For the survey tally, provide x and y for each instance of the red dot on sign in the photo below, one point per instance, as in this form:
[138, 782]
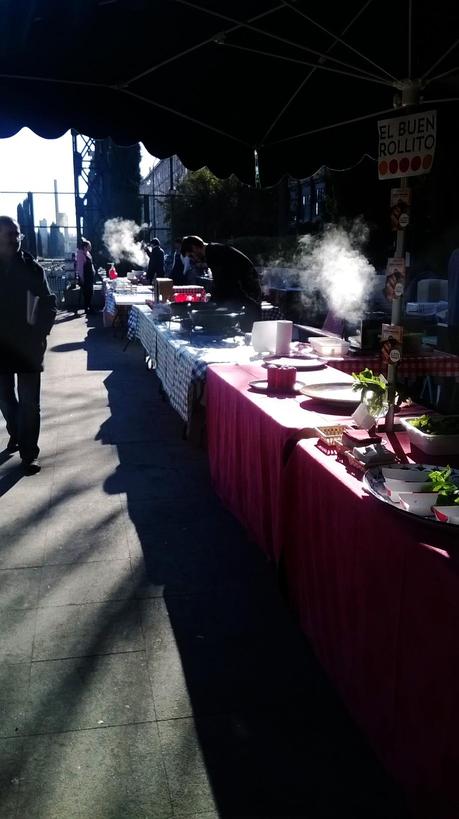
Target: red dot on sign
[404, 164]
[427, 161]
[416, 163]
[383, 167]
[393, 165]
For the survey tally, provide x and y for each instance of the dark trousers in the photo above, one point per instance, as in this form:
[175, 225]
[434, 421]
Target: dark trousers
[88, 291]
[22, 413]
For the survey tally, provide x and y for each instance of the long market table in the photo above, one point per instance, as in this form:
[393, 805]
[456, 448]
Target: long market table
[180, 362]
[119, 303]
[377, 595]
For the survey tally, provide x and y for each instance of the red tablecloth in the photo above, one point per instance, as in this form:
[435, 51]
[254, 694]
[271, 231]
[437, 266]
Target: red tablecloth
[247, 433]
[378, 596]
[411, 366]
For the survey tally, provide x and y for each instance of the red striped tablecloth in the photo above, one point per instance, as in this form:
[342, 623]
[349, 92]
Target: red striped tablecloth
[411, 366]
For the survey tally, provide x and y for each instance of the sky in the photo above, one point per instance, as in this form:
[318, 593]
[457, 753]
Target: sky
[30, 163]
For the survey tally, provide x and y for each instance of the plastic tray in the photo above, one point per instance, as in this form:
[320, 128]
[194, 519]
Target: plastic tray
[431, 444]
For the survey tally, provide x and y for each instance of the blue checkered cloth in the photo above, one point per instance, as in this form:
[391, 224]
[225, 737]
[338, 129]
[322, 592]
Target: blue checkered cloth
[181, 363]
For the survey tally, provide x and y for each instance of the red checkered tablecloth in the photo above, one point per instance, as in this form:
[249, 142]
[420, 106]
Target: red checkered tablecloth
[435, 363]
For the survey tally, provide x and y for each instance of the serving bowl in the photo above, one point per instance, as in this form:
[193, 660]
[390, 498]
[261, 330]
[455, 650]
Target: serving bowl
[408, 473]
[395, 487]
[329, 347]
[447, 514]
[420, 503]
[430, 443]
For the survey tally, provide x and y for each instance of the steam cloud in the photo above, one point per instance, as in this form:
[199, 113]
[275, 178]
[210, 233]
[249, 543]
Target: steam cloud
[335, 265]
[119, 238]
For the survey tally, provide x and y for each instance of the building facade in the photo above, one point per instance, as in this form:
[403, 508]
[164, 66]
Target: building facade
[156, 189]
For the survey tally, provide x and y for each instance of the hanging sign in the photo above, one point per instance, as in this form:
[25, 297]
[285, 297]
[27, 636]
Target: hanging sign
[400, 201]
[407, 145]
[395, 278]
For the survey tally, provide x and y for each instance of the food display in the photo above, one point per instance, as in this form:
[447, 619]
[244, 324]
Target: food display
[437, 424]
[329, 346]
[427, 492]
[434, 434]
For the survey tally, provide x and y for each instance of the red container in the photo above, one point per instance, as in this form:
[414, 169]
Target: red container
[273, 377]
[287, 378]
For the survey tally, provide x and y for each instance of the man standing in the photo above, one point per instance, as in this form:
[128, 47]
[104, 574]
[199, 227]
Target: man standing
[235, 280]
[155, 254]
[86, 273]
[177, 271]
[27, 313]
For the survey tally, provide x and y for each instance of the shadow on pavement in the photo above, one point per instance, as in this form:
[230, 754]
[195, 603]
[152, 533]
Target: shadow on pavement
[231, 673]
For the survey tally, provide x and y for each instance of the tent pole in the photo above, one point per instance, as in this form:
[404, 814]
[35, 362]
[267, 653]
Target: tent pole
[396, 318]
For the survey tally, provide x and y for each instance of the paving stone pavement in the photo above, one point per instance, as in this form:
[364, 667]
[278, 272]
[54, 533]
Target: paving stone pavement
[149, 667]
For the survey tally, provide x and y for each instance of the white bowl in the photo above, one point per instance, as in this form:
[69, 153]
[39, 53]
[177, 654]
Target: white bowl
[329, 347]
[420, 503]
[447, 514]
[408, 473]
[394, 488]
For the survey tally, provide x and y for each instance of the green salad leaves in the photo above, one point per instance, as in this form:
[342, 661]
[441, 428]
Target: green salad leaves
[437, 424]
[447, 488]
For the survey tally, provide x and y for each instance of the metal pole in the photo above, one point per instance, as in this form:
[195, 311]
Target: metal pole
[396, 318]
[76, 183]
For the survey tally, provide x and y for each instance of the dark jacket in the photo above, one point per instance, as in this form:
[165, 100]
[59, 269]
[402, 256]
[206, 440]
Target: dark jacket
[23, 345]
[177, 269]
[156, 263]
[234, 276]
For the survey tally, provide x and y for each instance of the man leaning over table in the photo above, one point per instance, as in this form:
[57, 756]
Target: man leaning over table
[235, 280]
[27, 314]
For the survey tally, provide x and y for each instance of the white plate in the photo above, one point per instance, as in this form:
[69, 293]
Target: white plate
[262, 386]
[333, 393]
[299, 362]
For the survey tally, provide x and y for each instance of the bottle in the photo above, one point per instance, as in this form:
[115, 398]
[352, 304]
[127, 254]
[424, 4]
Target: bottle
[112, 274]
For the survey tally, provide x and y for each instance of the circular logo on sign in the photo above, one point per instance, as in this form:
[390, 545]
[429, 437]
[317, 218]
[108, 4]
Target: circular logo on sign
[394, 356]
[404, 164]
[404, 220]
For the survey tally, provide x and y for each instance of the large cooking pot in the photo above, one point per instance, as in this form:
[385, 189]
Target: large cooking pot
[216, 319]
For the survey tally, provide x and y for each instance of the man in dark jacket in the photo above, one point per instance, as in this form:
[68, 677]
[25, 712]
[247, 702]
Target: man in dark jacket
[27, 313]
[177, 271]
[155, 254]
[235, 280]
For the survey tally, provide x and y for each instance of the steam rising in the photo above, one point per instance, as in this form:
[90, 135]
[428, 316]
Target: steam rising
[335, 265]
[119, 238]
